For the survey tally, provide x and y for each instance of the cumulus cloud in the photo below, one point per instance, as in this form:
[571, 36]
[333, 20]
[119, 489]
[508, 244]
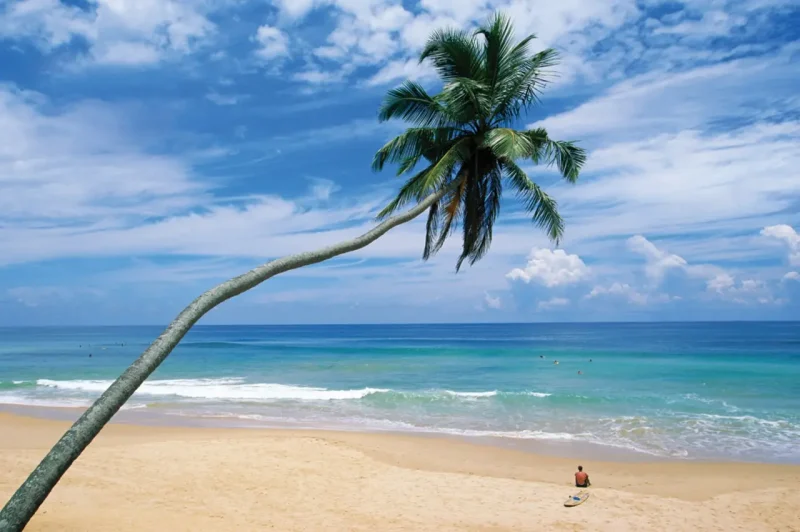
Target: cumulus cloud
[792, 276]
[702, 281]
[658, 261]
[789, 236]
[551, 268]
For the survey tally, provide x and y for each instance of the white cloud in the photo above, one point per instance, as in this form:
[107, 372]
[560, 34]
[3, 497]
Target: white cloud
[294, 9]
[410, 69]
[628, 292]
[273, 43]
[660, 103]
[121, 33]
[372, 32]
[687, 183]
[551, 268]
[718, 282]
[711, 23]
[792, 276]
[492, 302]
[721, 283]
[79, 164]
[789, 236]
[552, 303]
[658, 261]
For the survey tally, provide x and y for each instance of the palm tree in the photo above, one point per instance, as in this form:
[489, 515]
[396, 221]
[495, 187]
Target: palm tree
[464, 139]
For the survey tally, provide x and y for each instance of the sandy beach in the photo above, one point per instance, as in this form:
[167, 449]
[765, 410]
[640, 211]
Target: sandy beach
[165, 478]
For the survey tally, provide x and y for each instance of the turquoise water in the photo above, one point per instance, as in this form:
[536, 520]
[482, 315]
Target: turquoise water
[705, 390]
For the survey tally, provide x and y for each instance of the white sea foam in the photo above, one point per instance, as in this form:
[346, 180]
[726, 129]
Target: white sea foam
[220, 389]
[471, 394]
[494, 393]
[238, 389]
[57, 402]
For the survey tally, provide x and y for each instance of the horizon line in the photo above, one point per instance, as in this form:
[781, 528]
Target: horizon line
[642, 322]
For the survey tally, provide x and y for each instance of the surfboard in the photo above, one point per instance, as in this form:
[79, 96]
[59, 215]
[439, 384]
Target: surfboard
[577, 499]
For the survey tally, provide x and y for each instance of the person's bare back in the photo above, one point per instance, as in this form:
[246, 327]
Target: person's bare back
[581, 478]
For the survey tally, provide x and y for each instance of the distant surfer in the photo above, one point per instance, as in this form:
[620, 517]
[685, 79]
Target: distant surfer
[555, 363]
[580, 372]
[581, 478]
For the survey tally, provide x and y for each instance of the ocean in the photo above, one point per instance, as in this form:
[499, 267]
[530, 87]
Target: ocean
[707, 391]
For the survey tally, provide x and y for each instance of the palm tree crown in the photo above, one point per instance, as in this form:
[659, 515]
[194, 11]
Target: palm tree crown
[464, 138]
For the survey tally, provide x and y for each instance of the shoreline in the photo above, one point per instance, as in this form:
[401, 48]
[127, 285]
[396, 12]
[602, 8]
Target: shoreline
[243, 479]
[527, 465]
[556, 448]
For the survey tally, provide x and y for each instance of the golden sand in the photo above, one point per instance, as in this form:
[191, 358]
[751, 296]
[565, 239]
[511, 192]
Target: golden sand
[174, 479]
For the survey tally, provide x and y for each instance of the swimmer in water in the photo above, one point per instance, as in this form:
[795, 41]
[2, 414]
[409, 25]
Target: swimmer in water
[555, 363]
[580, 373]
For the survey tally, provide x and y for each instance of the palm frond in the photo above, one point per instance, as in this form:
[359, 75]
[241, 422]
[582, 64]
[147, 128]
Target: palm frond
[454, 54]
[568, 158]
[468, 100]
[431, 229]
[412, 144]
[565, 155]
[543, 208]
[411, 102]
[452, 213]
[431, 178]
[509, 143]
[498, 35]
[520, 90]
[491, 190]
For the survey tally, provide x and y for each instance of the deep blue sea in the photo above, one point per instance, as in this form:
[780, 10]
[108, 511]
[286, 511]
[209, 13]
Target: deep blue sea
[693, 391]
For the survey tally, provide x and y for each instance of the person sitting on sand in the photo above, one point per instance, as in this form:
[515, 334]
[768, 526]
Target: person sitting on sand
[582, 479]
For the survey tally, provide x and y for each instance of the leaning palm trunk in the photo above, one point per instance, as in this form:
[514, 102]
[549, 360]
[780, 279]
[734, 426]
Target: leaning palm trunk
[27, 499]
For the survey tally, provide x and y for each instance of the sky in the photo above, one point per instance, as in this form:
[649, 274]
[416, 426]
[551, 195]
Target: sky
[150, 149]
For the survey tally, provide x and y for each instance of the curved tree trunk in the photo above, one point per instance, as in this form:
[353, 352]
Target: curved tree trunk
[27, 499]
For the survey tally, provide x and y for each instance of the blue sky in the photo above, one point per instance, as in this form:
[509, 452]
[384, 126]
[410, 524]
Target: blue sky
[151, 149]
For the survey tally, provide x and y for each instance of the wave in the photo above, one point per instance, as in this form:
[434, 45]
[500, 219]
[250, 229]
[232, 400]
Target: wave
[471, 394]
[221, 389]
[237, 389]
[56, 402]
[16, 385]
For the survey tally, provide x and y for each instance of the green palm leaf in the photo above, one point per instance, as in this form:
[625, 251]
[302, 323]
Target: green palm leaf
[466, 135]
[543, 208]
[509, 143]
[430, 179]
[412, 103]
[413, 144]
[454, 54]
